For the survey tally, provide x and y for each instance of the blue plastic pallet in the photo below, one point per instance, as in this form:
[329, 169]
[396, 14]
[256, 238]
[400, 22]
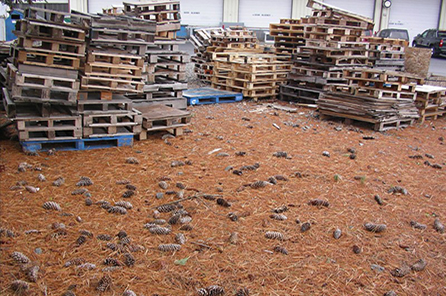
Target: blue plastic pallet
[78, 144]
[209, 95]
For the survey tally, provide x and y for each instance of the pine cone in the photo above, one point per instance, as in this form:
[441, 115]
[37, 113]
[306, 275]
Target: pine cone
[117, 210]
[104, 283]
[305, 227]
[41, 178]
[79, 191]
[159, 230]
[274, 235]
[58, 182]
[420, 265]
[280, 209]
[81, 240]
[124, 204]
[169, 247]
[180, 238]
[51, 205]
[282, 250]
[337, 233]
[32, 273]
[417, 225]
[163, 185]
[130, 187]
[215, 290]
[129, 293]
[259, 184]
[377, 228]
[19, 286]
[279, 217]
[319, 203]
[20, 258]
[132, 160]
[438, 226]
[75, 261]
[128, 193]
[84, 181]
[112, 262]
[222, 202]
[104, 237]
[88, 266]
[129, 259]
[166, 208]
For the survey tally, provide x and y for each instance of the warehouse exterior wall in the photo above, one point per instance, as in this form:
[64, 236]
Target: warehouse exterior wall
[230, 11]
[79, 5]
[299, 9]
[442, 21]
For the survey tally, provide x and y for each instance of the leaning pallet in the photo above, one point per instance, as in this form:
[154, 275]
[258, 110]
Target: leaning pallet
[430, 101]
[386, 99]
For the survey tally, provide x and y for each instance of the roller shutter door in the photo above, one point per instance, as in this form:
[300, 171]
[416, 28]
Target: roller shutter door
[414, 15]
[259, 14]
[365, 7]
[201, 13]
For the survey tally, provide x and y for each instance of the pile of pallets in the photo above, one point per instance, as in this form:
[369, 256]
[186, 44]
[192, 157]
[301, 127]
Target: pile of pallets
[430, 101]
[387, 53]
[288, 36]
[385, 99]
[255, 75]
[166, 14]
[333, 42]
[42, 80]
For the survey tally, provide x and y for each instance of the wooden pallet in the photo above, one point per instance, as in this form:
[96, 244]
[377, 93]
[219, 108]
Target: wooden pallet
[55, 127]
[51, 46]
[111, 84]
[207, 95]
[301, 95]
[168, 57]
[77, 20]
[106, 124]
[43, 95]
[159, 117]
[91, 102]
[50, 31]
[22, 56]
[121, 36]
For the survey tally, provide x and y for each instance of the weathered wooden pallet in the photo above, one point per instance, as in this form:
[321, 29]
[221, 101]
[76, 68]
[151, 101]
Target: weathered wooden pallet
[32, 128]
[121, 35]
[165, 75]
[157, 117]
[375, 93]
[301, 95]
[78, 144]
[45, 59]
[104, 106]
[111, 124]
[112, 71]
[167, 57]
[114, 57]
[43, 95]
[50, 31]
[112, 84]
[24, 79]
[335, 22]
[58, 17]
[51, 46]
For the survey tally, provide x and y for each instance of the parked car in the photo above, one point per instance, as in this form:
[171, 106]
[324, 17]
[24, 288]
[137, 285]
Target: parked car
[432, 38]
[394, 34]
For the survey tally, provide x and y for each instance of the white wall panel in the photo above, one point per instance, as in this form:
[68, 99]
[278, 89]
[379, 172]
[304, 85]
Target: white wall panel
[260, 13]
[201, 13]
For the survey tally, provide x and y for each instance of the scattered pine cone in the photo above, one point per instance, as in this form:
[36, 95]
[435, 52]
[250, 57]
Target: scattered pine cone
[186, 227]
[7, 232]
[68, 293]
[180, 238]
[75, 262]
[280, 209]
[160, 230]
[356, 249]
[242, 292]
[124, 204]
[130, 187]
[274, 235]
[202, 292]
[58, 182]
[233, 216]
[401, 272]
[131, 160]
[209, 197]
[88, 202]
[84, 181]
[377, 228]
[280, 154]
[223, 202]
[215, 290]
[86, 232]
[438, 226]
[279, 217]
[169, 247]
[104, 283]
[259, 184]
[122, 182]
[32, 273]
[129, 260]
[305, 227]
[112, 262]
[390, 293]
[233, 238]
[420, 265]
[19, 286]
[81, 240]
[379, 200]
[20, 257]
[279, 249]
[417, 225]
[51, 205]
[174, 219]
[272, 180]
[41, 178]
[163, 185]
[128, 193]
[166, 208]
[79, 191]
[117, 210]
[319, 203]
[180, 185]
[337, 233]
[129, 293]
[104, 237]
[88, 266]
[280, 178]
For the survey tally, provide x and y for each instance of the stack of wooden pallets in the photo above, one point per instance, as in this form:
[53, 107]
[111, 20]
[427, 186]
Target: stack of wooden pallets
[387, 53]
[333, 42]
[385, 99]
[42, 84]
[430, 101]
[256, 75]
[201, 39]
[288, 36]
[166, 14]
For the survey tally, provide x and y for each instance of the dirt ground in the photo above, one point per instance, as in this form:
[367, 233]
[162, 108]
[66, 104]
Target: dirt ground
[358, 263]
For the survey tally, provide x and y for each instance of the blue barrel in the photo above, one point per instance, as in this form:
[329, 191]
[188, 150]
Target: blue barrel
[10, 24]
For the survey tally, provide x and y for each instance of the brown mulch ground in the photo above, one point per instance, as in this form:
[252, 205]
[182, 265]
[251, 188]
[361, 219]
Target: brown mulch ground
[316, 263]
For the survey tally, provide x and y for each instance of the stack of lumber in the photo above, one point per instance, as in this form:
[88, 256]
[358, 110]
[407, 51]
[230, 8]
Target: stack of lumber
[333, 42]
[166, 14]
[387, 53]
[431, 101]
[256, 75]
[42, 80]
[385, 99]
